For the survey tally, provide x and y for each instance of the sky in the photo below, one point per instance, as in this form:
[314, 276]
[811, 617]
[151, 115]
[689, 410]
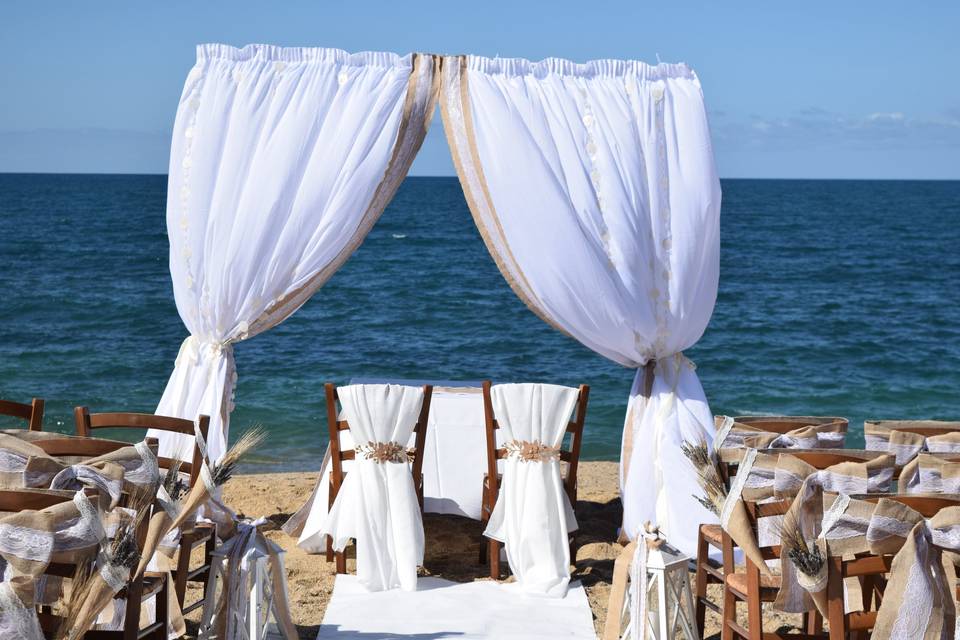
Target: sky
[800, 90]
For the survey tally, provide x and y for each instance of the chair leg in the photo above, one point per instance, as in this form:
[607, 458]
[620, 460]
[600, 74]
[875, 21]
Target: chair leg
[700, 584]
[182, 572]
[341, 558]
[754, 604]
[162, 600]
[329, 548]
[494, 547]
[729, 613]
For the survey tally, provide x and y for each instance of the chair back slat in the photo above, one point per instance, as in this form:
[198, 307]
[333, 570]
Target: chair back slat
[87, 422]
[32, 413]
[785, 424]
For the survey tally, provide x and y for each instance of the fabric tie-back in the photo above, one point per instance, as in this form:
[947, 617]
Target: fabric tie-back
[594, 188]
[377, 503]
[282, 160]
[533, 516]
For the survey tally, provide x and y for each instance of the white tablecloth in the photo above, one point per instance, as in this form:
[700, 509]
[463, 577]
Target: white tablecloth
[454, 459]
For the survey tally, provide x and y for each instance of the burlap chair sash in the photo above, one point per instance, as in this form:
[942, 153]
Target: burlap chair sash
[25, 465]
[907, 445]
[31, 540]
[930, 474]
[838, 526]
[918, 601]
[734, 437]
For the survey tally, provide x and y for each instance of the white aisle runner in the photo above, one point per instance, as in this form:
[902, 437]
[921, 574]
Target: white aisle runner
[443, 609]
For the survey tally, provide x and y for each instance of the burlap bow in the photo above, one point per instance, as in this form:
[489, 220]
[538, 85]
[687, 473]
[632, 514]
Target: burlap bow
[929, 474]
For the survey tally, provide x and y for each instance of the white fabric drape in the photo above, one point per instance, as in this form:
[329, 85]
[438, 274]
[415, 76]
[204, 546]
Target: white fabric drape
[595, 190]
[282, 160]
[533, 514]
[377, 503]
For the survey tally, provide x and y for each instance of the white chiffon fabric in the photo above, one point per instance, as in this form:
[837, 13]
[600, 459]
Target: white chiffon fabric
[595, 189]
[533, 514]
[377, 503]
[282, 159]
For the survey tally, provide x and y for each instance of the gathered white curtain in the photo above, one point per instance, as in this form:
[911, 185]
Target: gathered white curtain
[533, 514]
[595, 190]
[377, 503]
[282, 160]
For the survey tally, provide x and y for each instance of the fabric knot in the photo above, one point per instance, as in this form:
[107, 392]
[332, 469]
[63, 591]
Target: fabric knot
[193, 348]
[382, 452]
[531, 451]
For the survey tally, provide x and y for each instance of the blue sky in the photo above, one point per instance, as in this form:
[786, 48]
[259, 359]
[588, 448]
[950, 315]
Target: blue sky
[806, 90]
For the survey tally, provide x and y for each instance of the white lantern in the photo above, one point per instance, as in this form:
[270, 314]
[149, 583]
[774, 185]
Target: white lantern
[659, 602]
[247, 590]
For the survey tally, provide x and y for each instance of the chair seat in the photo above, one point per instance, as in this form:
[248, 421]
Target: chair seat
[769, 585]
[712, 533]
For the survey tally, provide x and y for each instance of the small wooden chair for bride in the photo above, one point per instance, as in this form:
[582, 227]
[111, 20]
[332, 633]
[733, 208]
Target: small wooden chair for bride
[202, 535]
[569, 458]
[32, 413]
[341, 452]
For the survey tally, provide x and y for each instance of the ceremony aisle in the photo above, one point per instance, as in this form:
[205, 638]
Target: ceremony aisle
[451, 543]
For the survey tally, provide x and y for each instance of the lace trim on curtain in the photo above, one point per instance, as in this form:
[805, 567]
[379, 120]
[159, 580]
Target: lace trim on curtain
[303, 54]
[593, 68]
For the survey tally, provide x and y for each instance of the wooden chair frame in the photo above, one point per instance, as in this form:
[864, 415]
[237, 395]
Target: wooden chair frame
[32, 413]
[151, 584]
[492, 478]
[202, 534]
[871, 570]
[754, 595]
[338, 457]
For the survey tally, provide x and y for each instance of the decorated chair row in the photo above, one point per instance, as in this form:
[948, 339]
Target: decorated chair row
[741, 433]
[526, 425]
[76, 450]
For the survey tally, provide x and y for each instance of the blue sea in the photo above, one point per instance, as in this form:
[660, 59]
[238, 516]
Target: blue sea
[836, 297]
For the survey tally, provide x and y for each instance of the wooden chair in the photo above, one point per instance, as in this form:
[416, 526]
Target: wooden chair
[204, 535]
[871, 570]
[751, 586]
[135, 593]
[338, 456]
[32, 413]
[492, 478]
[710, 536]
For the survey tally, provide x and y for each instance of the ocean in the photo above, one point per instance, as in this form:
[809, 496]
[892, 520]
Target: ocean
[836, 298]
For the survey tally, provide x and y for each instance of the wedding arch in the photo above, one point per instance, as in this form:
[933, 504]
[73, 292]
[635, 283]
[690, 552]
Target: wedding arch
[593, 186]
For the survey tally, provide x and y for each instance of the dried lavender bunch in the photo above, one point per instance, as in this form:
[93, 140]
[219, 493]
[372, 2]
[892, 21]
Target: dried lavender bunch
[805, 558]
[708, 476]
[172, 482]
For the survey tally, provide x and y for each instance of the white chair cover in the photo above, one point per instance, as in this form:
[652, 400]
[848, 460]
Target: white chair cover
[282, 160]
[594, 188]
[377, 503]
[533, 514]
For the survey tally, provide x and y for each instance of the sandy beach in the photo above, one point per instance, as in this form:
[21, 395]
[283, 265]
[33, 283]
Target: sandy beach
[451, 541]
[451, 545]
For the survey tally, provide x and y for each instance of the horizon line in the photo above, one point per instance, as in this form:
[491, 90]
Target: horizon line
[798, 179]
